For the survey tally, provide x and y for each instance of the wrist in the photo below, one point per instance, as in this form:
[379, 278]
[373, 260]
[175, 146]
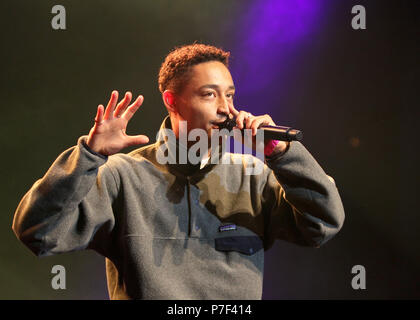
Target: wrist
[275, 146]
[88, 146]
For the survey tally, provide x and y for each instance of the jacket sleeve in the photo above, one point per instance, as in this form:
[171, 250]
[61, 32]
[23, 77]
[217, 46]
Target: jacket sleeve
[302, 203]
[70, 208]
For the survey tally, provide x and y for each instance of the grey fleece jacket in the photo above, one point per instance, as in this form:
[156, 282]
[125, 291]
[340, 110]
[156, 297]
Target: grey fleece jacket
[158, 226]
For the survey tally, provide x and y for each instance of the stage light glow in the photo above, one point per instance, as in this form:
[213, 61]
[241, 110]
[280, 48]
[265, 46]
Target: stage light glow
[269, 34]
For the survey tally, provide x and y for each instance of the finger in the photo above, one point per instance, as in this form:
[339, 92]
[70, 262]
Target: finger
[99, 115]
[248, 120]
[131, 110]
[122, 105]
[233, 110]
[259, 121]
[240, 118]
[136, 140]
[256, 123]
[111, 104]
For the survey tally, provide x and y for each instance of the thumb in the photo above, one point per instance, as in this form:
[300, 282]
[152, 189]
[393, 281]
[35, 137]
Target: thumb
[136, 140]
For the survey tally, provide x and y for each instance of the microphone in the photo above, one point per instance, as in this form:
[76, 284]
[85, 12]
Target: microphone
[270, 132]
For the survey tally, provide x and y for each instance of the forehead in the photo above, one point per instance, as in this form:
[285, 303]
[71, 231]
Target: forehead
[212, 73]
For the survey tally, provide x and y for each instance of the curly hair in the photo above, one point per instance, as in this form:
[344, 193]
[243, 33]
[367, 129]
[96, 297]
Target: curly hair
[177, 63]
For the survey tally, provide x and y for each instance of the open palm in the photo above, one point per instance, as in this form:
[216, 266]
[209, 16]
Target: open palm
[108, 135]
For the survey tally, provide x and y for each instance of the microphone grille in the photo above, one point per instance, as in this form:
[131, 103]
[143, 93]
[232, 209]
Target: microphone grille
[228, 124]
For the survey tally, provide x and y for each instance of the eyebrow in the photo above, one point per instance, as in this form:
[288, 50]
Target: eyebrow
[215, 86]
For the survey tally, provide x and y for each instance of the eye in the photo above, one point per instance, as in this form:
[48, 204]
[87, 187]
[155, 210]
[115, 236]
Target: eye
[209, 94]
[230, 95]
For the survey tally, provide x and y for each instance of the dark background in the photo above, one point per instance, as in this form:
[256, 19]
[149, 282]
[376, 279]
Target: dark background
[354, 94]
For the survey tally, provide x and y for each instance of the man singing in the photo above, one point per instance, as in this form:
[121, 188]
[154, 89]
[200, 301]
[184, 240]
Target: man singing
[179, 230]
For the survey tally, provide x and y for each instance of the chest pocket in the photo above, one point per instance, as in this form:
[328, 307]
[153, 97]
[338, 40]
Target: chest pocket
[247, 245]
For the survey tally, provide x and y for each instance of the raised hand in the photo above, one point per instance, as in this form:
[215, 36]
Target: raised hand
[108, 135]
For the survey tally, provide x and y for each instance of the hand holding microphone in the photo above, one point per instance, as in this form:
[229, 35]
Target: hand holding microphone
[245, 120]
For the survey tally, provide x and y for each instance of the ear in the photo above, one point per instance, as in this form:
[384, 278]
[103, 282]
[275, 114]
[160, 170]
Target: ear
[169, 100]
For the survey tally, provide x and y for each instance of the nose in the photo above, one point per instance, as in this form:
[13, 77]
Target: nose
[223, 106]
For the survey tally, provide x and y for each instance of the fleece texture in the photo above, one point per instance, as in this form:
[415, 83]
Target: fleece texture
[159, 225]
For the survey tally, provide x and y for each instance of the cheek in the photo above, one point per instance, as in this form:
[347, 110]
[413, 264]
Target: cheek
[203, 113]
[201, 120]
